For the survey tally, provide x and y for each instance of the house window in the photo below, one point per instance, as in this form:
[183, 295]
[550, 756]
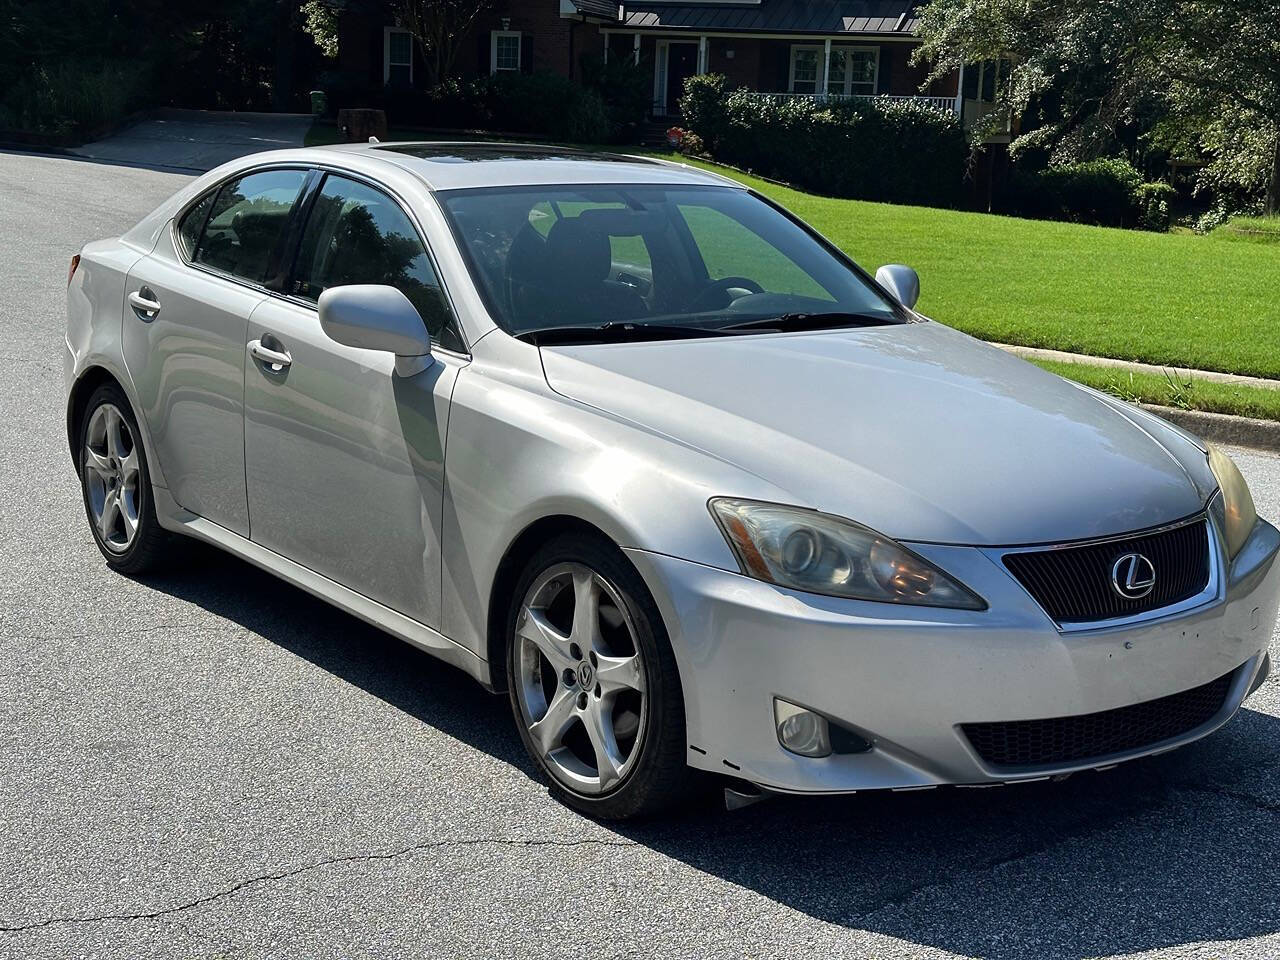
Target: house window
[397, 57]
[853, 70]
[504, 50]
[806, 66]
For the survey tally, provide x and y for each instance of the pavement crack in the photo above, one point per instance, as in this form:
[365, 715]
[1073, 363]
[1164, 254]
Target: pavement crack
[239, 885]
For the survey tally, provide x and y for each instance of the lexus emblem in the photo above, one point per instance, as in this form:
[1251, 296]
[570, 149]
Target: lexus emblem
[1133, 576]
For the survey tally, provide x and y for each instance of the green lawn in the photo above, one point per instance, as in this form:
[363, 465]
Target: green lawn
[1172, 299]
[1172, 389]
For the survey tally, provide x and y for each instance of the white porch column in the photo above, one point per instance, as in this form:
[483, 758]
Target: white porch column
[960, 94]
[702, 55]
[826, 66]
[635, 50]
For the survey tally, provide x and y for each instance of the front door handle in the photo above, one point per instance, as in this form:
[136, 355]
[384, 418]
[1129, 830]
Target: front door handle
[144, 303]
[277, 360]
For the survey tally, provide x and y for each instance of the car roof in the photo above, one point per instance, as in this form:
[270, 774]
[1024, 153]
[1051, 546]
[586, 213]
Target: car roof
[464, 165]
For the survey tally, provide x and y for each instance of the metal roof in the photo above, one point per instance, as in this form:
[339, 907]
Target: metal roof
[603, 9]
[777, 16]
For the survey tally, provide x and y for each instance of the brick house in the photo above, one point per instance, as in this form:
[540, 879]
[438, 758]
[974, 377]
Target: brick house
[834, 49]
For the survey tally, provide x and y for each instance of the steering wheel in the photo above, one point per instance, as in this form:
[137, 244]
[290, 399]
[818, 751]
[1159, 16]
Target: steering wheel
[722, 286]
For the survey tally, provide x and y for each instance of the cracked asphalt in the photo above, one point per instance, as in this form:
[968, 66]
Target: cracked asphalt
[213, 764]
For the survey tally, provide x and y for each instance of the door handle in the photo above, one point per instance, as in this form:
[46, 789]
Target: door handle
[144, 304]
[276, 359]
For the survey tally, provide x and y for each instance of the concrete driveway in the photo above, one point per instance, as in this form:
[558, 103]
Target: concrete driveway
[198, 140]
[211, 763]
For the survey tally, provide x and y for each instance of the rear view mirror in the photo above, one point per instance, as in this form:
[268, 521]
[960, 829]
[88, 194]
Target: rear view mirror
[901, 281]
[375, 317]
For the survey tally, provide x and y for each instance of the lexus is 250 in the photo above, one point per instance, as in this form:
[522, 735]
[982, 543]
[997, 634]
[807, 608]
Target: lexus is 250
[632, 444]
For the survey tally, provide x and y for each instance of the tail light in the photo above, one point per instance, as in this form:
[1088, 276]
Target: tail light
[71, 270]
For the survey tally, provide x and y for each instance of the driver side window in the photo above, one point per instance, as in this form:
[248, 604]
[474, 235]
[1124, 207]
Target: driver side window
[356, 234]
[730, 249]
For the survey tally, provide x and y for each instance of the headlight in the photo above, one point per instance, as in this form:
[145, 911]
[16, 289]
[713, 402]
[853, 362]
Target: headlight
[1238, 513]
[811, 551]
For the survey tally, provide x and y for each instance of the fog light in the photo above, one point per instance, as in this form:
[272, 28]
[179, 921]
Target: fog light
[801, 731]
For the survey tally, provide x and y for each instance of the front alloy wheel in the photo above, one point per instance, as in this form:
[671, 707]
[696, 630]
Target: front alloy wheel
[580, 679]
[593, 681]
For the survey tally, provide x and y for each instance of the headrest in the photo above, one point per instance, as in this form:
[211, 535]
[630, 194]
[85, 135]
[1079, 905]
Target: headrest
[578, 249]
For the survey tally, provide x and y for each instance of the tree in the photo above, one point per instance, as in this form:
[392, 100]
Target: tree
[438, 26]
[1200, 74]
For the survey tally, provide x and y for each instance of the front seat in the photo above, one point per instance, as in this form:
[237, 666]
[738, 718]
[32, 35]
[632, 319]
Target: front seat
[579, 264]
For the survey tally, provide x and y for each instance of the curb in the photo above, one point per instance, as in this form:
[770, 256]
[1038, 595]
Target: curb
[1090, 360]
[1222, 427]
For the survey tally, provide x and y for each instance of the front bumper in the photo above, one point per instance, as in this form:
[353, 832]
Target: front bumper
[907, 678]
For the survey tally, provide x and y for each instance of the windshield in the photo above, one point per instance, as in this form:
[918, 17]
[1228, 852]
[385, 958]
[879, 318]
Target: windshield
[665, 258]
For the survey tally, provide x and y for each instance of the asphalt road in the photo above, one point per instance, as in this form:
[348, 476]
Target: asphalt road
[213, 764]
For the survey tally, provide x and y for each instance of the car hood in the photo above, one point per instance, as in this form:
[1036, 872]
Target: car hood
[915, 430]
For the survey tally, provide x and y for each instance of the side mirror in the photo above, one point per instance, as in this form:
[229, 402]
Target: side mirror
[902, 282]
[371, 316]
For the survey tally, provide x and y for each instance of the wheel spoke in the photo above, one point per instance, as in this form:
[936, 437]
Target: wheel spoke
[536, 628]
[129, 467]
[127, 519]
[98, 463]
[609, 760]
[548, 733]
[586, 610]
[115, 440]
[110, 512]
[619, 673]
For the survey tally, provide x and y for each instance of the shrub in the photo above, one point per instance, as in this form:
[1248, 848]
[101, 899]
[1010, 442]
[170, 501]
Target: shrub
[71, 98]
[880, 149]
[544, 104]
[1108, 192]
[1152, 201]
[703, 108]
[626, 88]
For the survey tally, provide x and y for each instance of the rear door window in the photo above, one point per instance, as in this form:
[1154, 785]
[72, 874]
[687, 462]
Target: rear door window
[246, 226]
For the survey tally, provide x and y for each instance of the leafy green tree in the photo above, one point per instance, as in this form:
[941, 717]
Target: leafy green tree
[1192, 74]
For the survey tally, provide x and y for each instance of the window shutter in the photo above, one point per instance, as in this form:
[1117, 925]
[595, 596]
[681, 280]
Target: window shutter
[526, 53]
[886, 68]
[482, 52]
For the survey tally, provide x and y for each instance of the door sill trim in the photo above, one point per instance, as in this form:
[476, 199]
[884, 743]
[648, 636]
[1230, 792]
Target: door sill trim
[179, 520]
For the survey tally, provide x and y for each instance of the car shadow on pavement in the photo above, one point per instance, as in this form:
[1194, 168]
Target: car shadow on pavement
[1157, 853]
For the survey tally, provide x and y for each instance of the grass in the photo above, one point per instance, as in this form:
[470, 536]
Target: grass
[1250, 230]
[1169, 299]
[1172, 389]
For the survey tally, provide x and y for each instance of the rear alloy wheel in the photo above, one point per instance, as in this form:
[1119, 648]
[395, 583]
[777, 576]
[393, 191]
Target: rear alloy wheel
[117, 486]
[594, 686]
[112, 478]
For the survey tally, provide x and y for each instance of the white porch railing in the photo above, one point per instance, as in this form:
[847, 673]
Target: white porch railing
[945, 104]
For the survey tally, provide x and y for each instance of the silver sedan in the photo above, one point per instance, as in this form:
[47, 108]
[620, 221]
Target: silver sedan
[631, 444]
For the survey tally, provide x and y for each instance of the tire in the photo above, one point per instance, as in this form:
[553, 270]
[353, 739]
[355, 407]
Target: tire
[646, 726]
[113, 469]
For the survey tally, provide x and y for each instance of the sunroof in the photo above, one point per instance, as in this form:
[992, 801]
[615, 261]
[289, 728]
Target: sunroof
[475, 152]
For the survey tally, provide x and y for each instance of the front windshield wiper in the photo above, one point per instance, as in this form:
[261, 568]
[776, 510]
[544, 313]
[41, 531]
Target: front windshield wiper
[615, 331]
[811, 321]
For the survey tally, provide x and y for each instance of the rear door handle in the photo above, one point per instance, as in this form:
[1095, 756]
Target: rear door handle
[144, 304]
[276, 359]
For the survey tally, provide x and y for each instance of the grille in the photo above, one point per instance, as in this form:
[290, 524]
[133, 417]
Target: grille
[1062, 740]
[1073, 584]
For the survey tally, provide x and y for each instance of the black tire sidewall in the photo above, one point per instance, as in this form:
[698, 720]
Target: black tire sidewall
[649, 786]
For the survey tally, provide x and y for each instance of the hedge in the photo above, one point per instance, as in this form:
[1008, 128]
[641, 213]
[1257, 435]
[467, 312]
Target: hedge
[545, 104]
[900, 151]
[1107, 192]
